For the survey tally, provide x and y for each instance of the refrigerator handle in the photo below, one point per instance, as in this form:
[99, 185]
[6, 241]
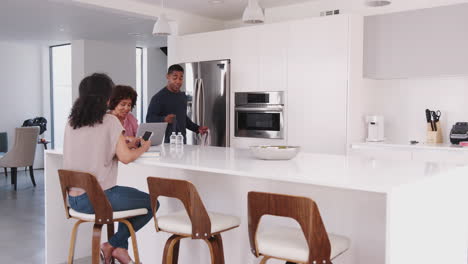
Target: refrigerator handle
[198, 103]
[195, 102]
[202, 102]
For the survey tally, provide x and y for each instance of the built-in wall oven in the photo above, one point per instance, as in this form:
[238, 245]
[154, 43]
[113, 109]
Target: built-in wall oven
[259, 114]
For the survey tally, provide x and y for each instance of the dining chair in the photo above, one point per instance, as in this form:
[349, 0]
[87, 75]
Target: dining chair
[22, 153]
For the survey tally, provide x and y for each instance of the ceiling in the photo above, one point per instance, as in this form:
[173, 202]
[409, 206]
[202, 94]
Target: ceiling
[57, 22]
[227, 10]
[60, 21]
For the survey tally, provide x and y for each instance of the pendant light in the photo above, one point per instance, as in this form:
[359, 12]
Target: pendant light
[253, 13]
[162, 27]
[377, 3]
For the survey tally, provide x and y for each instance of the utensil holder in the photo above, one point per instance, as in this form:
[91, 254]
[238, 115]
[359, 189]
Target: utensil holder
[434, 137]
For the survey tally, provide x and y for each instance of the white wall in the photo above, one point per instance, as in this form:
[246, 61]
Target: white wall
[113, 58]
[60, 65]
[156, 69]
[416, 76]
[21, 89]
[403, 102]
[78, 66]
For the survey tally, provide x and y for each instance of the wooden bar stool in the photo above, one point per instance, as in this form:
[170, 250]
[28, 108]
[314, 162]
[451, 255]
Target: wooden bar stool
[311, 245]
[193, 222]
[104, 215]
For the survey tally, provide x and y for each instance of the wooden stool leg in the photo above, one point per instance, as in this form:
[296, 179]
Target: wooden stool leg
[110, 231]
[71, 251]
[96, 244]
[134, 241]
[171, 250]
[215, 243]
[264, 260]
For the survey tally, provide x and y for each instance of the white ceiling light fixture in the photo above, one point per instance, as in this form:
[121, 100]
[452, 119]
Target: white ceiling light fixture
[253, 13]
[162, 27]
[378, 3]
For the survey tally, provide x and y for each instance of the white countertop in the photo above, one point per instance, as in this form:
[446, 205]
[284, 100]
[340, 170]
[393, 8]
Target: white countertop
[338, 171]
[419, 146]
[355, 173]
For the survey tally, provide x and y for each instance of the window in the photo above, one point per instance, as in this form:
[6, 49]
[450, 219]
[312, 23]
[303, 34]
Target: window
[60, 91]
[139, 84]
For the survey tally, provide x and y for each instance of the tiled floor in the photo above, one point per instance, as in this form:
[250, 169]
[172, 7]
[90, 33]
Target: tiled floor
[22, 219]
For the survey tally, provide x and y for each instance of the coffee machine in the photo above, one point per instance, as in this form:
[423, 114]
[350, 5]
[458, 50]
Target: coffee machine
[375, 128]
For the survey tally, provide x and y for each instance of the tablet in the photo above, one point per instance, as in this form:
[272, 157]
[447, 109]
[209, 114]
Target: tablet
[158, 129]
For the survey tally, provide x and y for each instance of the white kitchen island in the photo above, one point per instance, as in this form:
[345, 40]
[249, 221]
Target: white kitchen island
[394, 212]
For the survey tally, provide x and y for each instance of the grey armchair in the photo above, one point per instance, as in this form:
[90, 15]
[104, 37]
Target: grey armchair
[23, 152]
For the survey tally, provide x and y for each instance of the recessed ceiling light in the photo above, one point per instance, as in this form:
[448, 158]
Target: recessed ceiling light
[216, 2]
[377, 3]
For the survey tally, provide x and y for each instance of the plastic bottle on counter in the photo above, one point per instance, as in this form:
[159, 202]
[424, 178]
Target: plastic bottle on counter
[173, 139]
[179, 140]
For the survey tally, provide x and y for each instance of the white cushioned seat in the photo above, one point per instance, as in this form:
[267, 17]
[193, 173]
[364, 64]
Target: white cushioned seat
[116, 214]
[290, 243]
[179, 222]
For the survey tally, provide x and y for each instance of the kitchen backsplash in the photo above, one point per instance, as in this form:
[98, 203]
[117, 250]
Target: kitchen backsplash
[403, 101]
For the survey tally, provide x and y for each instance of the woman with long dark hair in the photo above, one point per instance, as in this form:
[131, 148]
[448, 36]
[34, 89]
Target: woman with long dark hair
[94, 142]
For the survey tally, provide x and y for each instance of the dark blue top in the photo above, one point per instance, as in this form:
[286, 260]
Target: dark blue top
[166, 102]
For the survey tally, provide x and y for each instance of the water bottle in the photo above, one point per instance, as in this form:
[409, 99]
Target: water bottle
[179, 140]
[173, 139]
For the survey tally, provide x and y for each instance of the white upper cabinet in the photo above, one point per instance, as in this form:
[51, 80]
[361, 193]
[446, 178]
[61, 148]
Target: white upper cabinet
[244, 59]
[199, 47]
[272, 53]
[420, 43]
[317, 84]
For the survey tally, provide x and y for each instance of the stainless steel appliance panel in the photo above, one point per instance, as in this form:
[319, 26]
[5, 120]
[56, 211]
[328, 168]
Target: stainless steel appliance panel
[207, 87]
[261, 98]
[259, 114]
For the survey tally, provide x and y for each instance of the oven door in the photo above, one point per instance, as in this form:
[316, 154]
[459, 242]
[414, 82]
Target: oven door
[259, 122]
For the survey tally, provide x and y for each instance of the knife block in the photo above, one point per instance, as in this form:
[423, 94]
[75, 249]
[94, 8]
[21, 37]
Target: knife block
[434, 137]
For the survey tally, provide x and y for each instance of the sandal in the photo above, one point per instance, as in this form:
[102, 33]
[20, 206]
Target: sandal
[131, 262]
[103, 257]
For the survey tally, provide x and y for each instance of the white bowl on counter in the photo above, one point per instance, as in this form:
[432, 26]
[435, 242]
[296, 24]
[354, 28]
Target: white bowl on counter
[274, 152]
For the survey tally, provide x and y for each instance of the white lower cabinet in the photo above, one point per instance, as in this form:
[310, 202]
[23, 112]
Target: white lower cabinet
[454, 157]
[444, 156]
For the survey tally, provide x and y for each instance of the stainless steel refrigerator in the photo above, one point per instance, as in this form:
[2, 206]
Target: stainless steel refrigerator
[207, 86]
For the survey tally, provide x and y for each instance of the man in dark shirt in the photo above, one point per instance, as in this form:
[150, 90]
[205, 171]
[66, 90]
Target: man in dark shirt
[170, 105]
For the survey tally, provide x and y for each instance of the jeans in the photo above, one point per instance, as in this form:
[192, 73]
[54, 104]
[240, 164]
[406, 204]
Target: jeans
[121, 198]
